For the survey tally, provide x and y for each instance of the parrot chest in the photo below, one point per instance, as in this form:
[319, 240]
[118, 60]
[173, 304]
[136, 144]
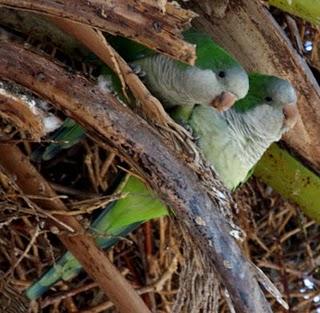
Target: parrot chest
[220, 147]
[232, 142]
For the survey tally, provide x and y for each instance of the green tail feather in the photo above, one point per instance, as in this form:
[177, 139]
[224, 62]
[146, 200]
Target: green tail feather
[68, 267]
[68, 134]
[117, 220]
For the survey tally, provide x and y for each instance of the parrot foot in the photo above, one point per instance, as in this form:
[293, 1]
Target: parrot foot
[185, 125]
[188, 128]
[137, 70]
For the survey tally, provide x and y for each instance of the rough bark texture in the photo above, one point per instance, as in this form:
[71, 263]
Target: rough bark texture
[20, 115]
[37, 26]
[250, 33]
[175, 182]
[141, 21]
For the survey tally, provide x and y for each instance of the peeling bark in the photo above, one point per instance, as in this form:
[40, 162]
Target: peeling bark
[16, 112]
[173, 180]
[251, 34]
[138, 20]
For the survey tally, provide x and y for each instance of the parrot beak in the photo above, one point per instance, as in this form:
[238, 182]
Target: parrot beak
[291, 114]
[224, 101]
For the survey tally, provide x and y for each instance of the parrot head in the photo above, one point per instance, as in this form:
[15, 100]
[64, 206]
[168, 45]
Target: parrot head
[270, 103]
[216, 79]
[224, 80]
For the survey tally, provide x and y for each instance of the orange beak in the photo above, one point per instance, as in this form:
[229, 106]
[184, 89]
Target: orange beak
[291, 114]
[224, 101]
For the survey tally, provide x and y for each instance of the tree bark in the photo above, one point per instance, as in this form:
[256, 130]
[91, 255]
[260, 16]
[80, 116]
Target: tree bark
[138, 20]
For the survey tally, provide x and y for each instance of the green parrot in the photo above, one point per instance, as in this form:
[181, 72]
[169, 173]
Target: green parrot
[232, 142]
[215, 80]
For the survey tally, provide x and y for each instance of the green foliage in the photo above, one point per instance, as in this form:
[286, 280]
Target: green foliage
[309, 10]
[291, 179]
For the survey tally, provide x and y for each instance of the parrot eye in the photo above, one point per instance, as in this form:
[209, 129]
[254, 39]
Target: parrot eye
[268, 99]
[222, 74]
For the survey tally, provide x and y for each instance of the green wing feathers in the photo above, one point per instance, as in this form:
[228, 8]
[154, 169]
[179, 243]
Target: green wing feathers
[116, 221]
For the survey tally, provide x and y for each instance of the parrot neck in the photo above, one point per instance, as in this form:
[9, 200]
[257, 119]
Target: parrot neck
[252, 135]
[254, 131]
[177, 84]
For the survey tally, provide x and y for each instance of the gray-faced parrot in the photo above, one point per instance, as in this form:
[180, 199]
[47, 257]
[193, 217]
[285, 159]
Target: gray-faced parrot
[215, 80]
